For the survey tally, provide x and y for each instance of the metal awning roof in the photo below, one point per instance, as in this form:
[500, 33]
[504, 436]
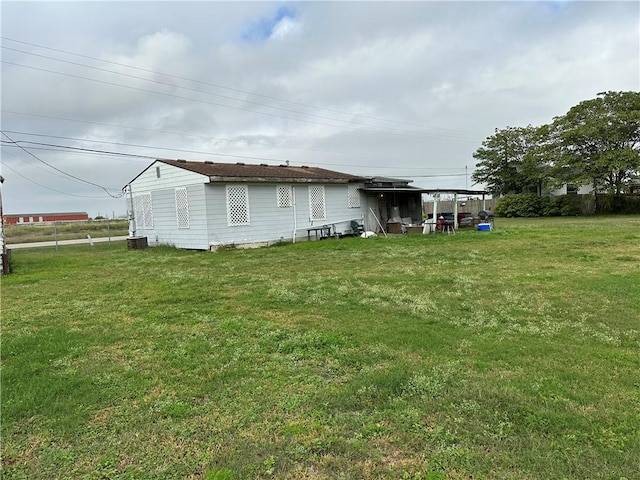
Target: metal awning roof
[430, 191]
[460, 191]
[392, 189]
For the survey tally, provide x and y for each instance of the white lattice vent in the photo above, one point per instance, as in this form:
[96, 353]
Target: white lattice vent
[284, 196]
[237, 204]
[317, 203]
[182, 208]
[143, 211]
[353, 196]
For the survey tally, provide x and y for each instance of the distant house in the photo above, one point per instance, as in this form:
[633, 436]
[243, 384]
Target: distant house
[571, 189]
[31, 218]
[632, 186]
[203, 205]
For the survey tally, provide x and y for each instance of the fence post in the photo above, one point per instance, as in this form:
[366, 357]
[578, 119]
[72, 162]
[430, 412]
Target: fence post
[55, 234]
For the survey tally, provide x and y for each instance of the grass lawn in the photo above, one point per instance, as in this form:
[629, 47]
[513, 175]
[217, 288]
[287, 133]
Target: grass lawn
[512, 354]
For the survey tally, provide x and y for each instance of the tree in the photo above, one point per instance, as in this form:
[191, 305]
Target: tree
[597, 142]
[513, 160]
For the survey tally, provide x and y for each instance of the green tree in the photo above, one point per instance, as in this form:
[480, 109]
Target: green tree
[513, 160]
[597, 142]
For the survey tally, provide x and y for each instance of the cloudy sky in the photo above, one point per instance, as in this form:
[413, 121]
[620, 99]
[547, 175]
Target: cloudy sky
[92, 92]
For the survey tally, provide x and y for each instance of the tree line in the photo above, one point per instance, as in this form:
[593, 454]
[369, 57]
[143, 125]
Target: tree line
[596, 143]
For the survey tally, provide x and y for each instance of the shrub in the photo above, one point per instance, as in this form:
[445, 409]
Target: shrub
[627, 204]
[522, 205]
[565, 205]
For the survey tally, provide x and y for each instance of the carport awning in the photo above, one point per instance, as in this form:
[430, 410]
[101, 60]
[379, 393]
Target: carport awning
[459, 191]
[391, 189]
[430, 191]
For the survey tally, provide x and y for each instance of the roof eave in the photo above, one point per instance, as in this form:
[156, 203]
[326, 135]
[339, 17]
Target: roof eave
[221, 179]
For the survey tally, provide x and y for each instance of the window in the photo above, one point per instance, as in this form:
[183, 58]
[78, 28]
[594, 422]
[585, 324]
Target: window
[182, 208]
[237, 205]
[157, 172]
[143, 211]
[353, 196]
[317, 209]
[284, 196]
[572, 189]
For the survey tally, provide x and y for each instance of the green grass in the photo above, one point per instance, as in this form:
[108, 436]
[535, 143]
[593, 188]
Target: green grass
[64, 231]
[512, 354]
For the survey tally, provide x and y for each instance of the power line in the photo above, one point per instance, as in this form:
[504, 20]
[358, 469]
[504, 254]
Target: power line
[145, 90]
[67, 152]
[36, 165]
[189, 135]
[246, 157]
[215, 85]
[448, 135]
[48, 188]
[62, 171]
[104, 152]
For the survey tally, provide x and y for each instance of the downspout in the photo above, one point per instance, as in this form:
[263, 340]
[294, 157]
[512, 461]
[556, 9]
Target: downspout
[132, 218]
[436, 197]
[455, 211]
[295, 215]
[4, 268]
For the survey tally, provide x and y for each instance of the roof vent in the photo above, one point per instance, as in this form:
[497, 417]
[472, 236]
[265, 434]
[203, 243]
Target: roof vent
[264, 165]
[209, 162]
[283, 165]
[304, 166]
[181, 161]
[239, 163]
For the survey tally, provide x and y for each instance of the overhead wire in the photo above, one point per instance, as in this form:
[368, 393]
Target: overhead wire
[42, 145]
[204, 137]
[70, 175]
[104, 152]
[34, 164]
[245, 157]
[48, 188]
[377, 130]
[226, 97]
[219, 86]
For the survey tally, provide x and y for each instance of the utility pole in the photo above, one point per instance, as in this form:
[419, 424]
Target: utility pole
[3, 246]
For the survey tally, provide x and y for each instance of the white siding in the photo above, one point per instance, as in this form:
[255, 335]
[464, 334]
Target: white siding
[163, 199]
[170, 177]
[268, 222]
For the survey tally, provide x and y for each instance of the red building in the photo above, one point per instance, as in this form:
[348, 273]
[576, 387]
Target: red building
[30, 218]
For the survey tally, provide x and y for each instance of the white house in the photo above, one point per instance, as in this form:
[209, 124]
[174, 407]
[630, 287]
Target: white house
[571, 189]
[203, 205]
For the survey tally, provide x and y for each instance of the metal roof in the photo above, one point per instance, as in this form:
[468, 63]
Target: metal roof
[462, 191]
[394, 189]
[429, 191]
